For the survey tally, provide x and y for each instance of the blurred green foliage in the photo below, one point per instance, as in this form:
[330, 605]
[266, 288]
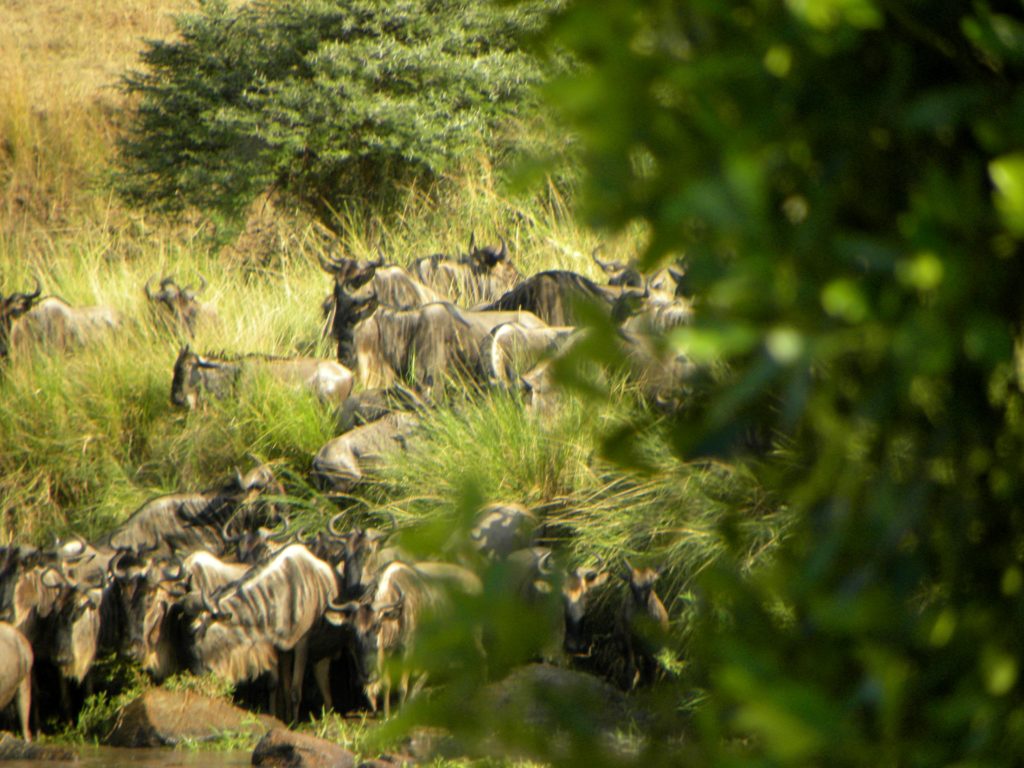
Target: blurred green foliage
[331, 103]
[845, 184]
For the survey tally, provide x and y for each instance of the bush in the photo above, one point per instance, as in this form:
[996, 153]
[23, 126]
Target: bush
[330, 102]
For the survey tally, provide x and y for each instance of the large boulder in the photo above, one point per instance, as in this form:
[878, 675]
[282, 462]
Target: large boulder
[161, 718]
[282, 748]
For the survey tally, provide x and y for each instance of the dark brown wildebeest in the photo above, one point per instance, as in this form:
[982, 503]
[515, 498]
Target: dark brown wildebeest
[342, 462]
[555, 297]
[483, 275]
[16, 674]
[386, 625]
[51, 323]
[179, 308]
[179, 523]
[265, 616]
[642, 625]
[331, 381]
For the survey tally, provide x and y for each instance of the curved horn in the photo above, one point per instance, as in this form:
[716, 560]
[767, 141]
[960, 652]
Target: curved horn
[27, 298]
[472, 242]
[332, 264]
[149, 289]
[281, 534]
[174, 571]
[332, 526]
[503, 253]
[380, 259]
[116, 566]
[49, 582]
[202, 284]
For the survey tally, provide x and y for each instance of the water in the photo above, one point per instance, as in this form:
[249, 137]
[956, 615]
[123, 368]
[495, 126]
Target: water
[115, 757]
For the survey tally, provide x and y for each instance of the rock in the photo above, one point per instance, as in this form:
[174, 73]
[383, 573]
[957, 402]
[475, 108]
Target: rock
[282, 748]
[160, 718]
[12, 748]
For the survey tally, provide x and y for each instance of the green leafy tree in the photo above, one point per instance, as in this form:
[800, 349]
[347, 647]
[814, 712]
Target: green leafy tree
[328, 102]
[845, 182]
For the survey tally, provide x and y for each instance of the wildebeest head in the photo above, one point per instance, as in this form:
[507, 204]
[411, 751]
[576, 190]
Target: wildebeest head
[11, 308]
[349, 310]
[77, 632]
[193, 372]
[641, 582]
[180, 304]
[575, 596]
[156, 589]
[365, 619]
[488, 260]
[624, 275]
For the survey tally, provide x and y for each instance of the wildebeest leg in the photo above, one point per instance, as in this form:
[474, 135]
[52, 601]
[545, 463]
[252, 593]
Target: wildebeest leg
[284, 679]
[65, 698]
[25, 706]
[322, 675]
[299, 657]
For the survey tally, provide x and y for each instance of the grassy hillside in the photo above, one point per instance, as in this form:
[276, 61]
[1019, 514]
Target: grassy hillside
[86, 438]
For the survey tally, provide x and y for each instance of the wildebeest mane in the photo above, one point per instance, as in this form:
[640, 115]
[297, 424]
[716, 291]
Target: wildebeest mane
[552, 295]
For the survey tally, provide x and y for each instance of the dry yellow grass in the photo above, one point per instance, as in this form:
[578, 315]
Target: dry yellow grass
[59, 66]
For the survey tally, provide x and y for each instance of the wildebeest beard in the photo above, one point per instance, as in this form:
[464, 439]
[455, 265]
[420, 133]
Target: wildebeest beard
[348, 312]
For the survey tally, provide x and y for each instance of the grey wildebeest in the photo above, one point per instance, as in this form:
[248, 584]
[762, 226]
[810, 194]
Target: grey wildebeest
[385, 626]
[512, 349]
[501, 528]
[642, 625]
[331, 381]
[179, 308]
[481, 276]
[51, 323]
[262, 622]
[664, 281]
[421, 345]
[342, 462]
[393, 286]
[16, 674]
[185, 522]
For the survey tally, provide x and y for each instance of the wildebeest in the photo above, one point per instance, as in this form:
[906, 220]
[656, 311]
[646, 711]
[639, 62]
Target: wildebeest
[555, 297]
[666, 281]
[179, 307]
[575, 598]
[512, 349]
[16, 674]
[265, 615]
[343, 461]
[331, 381]
[642, 625]
[481, 276]
[393, 286]
[423, 345]
[369, 405]
[386, 625]
[185, 522]
[51, 323]
[501, 528]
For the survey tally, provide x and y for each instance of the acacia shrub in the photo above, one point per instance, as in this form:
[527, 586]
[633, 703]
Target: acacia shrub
[331, 103]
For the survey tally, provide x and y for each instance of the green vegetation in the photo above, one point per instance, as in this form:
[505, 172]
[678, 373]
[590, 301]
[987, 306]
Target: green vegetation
[333, 104]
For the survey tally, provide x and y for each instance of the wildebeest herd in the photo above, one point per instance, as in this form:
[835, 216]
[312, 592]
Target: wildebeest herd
[218, 581]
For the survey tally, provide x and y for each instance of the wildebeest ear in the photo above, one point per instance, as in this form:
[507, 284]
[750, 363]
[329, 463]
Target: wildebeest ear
[53, 579]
